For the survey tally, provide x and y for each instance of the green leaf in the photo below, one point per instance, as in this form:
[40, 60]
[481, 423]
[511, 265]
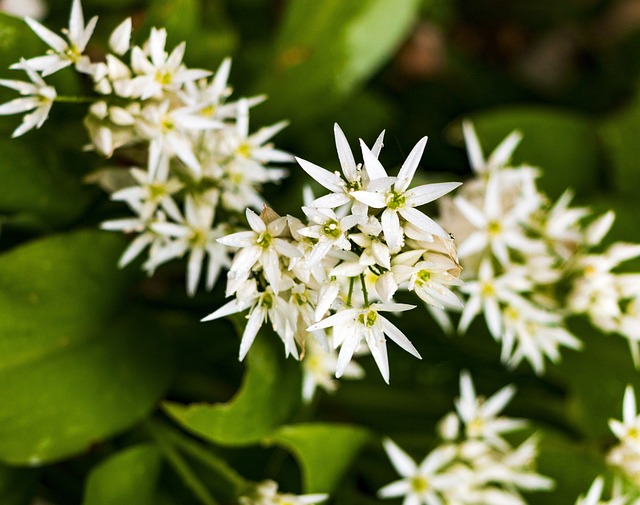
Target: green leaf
[325, 451]
[71, 372]
[326, 49]
[563, 144]
[127, 477]
[36, 183]
[17, 485]
[267, 397]
[620, 133]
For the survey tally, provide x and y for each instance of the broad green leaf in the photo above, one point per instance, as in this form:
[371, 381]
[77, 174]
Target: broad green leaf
[620, 134]
[266, 399]
[73, 370]
[563, 144]
[326, 49]
[17, 485]
[324, 450]
[37, 185]
[128, 477]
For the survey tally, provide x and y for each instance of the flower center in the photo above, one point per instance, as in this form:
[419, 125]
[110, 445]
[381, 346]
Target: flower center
[494, 228]
[264, 240]
[368, 319]
[424, 275]
[332, 229]
[198, 238]
[267, 300]
[157, 191]
[395, 200]
[419, 484]
[164, 77]
[244, 150]
[487, 290]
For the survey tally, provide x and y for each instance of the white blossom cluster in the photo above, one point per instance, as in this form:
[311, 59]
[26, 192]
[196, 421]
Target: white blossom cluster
[334, 275]
[618, 496]
[529, 263]
[204, 167]
[266, 493]
[474, 464]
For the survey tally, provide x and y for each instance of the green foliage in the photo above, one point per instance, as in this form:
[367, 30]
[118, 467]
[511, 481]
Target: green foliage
[266, 399]
[73, 370]
[127, 477]
[325, 50]
[620, 133]
[564, 144]
[325, 451]
[16, 485]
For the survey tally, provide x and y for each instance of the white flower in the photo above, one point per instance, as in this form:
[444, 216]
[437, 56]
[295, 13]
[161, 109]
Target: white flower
[628, 430]
[399, 200]
[35, 95]
[353, 178]
[194, 234]
[264, 306]
[64, 52]
[497, 228]
[480, 416]
[163, 71]
[329, 230]
[498, 158]
[351, 325]
[263, 244]
[420, 484]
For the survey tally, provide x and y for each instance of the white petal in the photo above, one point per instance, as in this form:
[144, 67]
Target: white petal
[345, 155]
[408, 169]
[391, 228]
[429, 192]
[327, 179]
[398, 337]
[371, 164]
[401, 461]
[51, 39]
[474, 150]
[121, 37]
[250, 331]
[422, 221]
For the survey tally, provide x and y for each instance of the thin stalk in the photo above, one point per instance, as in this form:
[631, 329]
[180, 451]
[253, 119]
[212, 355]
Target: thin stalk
[364, 290]
[181, 467]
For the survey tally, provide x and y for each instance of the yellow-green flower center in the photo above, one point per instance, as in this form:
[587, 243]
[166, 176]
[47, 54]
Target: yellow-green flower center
[368, 319]
[419, 484]
[264, 240]
[487, 289]
[424, 275]
[395, 200]
[164, 77]
[244, 150]
[494, 228]
[331, 229]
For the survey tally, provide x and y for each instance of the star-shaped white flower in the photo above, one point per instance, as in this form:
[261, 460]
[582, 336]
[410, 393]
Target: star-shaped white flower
[352, 325]
[63, 52]
[37, 96]
[400, 201]
[480, 416]
[423, 483]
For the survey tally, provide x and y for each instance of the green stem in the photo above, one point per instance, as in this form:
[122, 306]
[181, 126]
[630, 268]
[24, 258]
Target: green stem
[197, 451]
[181, 467]
[351, 282]
[74, 99]
[364, 290]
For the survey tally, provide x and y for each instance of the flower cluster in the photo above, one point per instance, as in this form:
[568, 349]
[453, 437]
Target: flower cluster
[474, 464]
[340, 269]
[266, 493]
[528, 263]
[203, 166]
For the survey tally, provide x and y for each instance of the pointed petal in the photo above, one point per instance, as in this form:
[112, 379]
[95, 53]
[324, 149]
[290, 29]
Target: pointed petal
[422, 221]
[327, 179]
[371, 164]
[429, 192]
[54, 41]
[401, 461]
[408, 169]
[347, 162]
[474, 150]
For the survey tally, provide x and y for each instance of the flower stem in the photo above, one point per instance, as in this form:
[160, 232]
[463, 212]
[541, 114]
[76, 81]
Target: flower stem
[74, 99]
[364, 290]
[351, 282]
[181, 467]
